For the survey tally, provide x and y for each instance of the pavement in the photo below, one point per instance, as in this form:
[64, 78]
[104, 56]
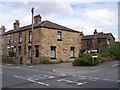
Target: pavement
[62, 75]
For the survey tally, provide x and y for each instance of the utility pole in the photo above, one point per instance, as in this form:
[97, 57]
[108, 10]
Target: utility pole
[32, 10]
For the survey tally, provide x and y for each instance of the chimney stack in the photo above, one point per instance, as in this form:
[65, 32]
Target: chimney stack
[3, 29]
[81, 34]
[95, 32]
[37, 19]
[16, 24]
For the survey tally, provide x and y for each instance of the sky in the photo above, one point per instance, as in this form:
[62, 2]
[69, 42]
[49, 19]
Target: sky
[85, 16]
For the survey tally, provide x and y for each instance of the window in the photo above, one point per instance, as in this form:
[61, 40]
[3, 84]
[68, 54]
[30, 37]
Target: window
[14, 49]
[9, 39]
[59, 36]
[30, 36]
[2, 41]
[20, 37]
[53, 52]
[36, 51]
[29, 51]
[72, 52]
[19, 50]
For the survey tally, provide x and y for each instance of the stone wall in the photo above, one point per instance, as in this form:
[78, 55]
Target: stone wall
[69, 39]
[44, 38]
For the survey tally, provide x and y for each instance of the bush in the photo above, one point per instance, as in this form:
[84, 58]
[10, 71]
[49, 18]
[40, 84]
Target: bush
[100, 59]
[60, 61]
[84, 60]
[115, 51]
[44, 60]
[105, 54]
[11, 54]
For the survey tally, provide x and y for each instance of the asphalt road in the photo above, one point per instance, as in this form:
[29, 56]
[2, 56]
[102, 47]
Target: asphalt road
[60, 76]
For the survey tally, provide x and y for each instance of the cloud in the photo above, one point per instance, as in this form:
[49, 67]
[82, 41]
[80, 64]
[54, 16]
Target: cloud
[79, 16]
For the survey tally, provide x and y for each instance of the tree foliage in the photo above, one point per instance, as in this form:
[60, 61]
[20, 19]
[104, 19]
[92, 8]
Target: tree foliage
[115, 50]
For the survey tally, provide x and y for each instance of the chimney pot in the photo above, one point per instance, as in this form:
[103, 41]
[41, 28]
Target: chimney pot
[37, 19]
[16, 24]
[81, 34]
[95, 32]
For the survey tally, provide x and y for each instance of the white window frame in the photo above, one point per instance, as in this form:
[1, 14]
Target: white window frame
[59, 35]
[20, 37]
[53, 52]
[72, 52]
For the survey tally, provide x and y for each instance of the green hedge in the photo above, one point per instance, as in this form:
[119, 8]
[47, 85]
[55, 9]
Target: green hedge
[11, 54]
[45, 60]
[86, 60]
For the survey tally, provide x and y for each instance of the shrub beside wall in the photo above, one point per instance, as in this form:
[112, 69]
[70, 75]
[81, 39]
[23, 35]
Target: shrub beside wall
[86, 60]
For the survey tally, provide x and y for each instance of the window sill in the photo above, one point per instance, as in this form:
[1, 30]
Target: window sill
[29, 42]
[72, 57]
[52, 58]
[59, 39]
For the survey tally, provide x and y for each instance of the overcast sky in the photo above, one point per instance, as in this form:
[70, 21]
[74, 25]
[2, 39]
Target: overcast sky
[81, 16]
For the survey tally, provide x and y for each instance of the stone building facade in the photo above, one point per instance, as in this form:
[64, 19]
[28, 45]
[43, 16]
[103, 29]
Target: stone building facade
[48, 39]
[2, 30]
[98, 41]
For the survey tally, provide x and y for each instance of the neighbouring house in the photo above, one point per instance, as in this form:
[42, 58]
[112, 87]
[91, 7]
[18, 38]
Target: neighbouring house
[48, 39]
[98, 41]
[2, 30]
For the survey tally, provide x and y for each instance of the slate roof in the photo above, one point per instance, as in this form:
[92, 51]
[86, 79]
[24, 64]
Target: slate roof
[44, 24]
[98, 36]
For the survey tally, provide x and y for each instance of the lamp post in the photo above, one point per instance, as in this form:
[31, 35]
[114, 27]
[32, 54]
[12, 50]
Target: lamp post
[32, 10]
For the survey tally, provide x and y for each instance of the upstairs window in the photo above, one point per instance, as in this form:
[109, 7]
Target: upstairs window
[20, 37]
[9, 39]
[53, 52]
[30, 36]
[59, 36]
[2, 41]
[72, 52]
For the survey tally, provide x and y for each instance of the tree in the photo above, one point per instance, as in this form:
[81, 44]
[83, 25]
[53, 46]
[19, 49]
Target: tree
[115, 50]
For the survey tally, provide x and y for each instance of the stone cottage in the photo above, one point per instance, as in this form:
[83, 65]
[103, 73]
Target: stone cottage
[98, 41]
[48, 39]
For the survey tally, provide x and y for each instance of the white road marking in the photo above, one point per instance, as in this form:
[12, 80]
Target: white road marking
[105, 68]
[94, 78]
[114, 65]
[43, 83]
[78, 83]
[32, 80]
[51, 77]
[101, 69]
[53, 70]
[17, 67]
[8, 64]
[29, 66]
[108, 80]
[62, 75]
[118, 81]
[45, 75]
